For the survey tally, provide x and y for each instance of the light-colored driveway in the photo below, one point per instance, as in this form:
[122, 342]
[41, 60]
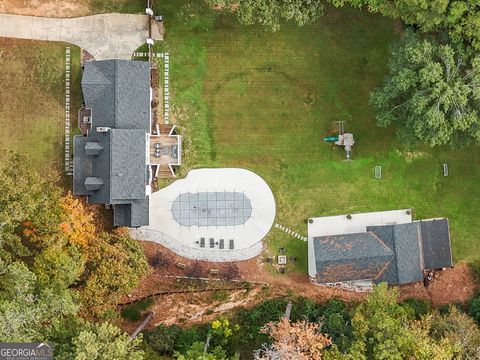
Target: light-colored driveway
[105, 36]
[213, 214]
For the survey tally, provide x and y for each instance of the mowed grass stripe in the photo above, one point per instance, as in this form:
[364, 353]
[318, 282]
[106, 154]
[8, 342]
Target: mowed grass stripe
[267, 100]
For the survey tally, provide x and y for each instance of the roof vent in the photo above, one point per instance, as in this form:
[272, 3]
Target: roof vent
[93, 183]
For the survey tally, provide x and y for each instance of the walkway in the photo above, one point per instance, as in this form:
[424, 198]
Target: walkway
[105, 36]
[291, 232]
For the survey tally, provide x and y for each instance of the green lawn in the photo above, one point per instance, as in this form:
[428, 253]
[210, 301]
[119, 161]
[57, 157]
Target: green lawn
[249, 98]
[32, 101]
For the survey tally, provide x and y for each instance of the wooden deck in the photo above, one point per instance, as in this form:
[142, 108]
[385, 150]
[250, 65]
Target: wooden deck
[166, 151]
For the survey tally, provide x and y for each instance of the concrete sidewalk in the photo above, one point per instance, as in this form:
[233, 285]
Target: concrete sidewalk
[105, 36]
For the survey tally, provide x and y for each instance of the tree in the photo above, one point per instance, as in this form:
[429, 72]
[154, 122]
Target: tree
[115, 263]
[196, 353]
[270, 13]
[336, 322]
[431, 94]
[463, 22]
[27, 201]
[382, 329]
[298, 341]
[27, 310]
[77, 222]
[427, 14]
[104, 342]
[460, 19]
[461, 331]
[474, 309]
[59, 266]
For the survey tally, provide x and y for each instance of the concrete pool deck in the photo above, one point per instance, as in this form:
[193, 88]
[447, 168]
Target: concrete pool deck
[215, 203]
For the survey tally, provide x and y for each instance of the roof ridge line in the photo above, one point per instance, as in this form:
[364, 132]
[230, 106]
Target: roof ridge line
[394, 250]
[379, 240]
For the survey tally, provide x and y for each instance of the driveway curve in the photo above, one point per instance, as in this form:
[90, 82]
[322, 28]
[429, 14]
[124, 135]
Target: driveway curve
[105, 36]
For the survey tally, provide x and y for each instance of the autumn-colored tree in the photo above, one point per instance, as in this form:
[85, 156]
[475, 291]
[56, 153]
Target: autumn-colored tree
[293, 341]
[77, 222]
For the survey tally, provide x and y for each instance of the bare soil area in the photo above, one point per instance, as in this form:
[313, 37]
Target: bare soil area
[449, 286]
[454, 285]
[49, 8]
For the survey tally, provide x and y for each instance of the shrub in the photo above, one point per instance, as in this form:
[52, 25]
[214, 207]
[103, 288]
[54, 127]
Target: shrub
[336, 322]
[474, 308]
[417, 307]
[230, 272]
[162, 339]
[475, 269]
[165, 340]
[196, 270]
[160, 260]
[306, 309]
[133, 312]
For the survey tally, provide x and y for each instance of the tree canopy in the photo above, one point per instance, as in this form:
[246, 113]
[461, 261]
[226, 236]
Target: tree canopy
[382, 329]
[55, 265]
[431, 94]
[270, 13]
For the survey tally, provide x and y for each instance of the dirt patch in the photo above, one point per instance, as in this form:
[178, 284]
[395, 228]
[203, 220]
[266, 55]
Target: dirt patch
[451, 285]
[448, 286]
[49, 8]
[196, 307]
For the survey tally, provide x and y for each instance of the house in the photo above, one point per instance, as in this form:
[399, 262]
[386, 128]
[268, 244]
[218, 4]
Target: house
[360, 250]
[111, 159]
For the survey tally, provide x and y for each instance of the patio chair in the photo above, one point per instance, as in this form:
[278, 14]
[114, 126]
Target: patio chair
[212, 243]
[221, 244]
[230, 244]
[202, 242]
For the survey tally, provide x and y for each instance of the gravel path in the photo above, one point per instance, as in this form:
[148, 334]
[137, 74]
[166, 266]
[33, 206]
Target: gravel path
[213, 255]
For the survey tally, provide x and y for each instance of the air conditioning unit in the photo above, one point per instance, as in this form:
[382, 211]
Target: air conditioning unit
[102, 129]
[87, 119]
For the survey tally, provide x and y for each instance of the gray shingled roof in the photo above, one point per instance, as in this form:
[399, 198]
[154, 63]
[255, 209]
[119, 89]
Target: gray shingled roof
[114, 162]
[118, 91]
[134, 214]
[128, 162]
[404, 240]
[437, 250]
[414, 247]
[93, 148]
[350, 257]
[82, 166]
